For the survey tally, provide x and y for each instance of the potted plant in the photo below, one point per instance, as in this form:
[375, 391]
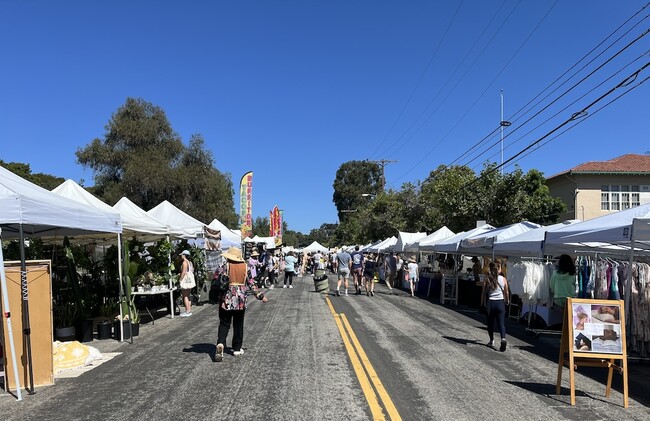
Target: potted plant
[122, 327]
[84, 323]
[135, 319]
[107, 310]
[64, 316]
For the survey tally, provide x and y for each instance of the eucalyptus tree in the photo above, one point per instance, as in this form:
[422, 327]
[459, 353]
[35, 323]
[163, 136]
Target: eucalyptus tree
[143, 158]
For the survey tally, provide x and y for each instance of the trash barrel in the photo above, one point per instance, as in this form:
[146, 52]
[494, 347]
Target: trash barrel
[321, 283]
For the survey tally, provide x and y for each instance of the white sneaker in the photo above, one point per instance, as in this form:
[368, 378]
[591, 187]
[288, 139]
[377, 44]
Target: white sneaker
[290, 286]
[284, 286]
[219, 354]
[238, 353]
[346, 293]
[185, 314]
[272, 286]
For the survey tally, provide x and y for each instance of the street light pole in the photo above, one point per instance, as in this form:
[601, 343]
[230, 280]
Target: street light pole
[503, 124]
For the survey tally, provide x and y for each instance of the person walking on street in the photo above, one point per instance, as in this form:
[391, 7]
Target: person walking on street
[369, 269]
[357, 269]
[413, 271]
[343, 263]
[497, 300]
[271, 268]
[253, 264]
[289, 269]
[232, 306]
[187, 282]
[390, 270]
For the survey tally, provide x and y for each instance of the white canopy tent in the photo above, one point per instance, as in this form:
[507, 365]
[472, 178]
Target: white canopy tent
[315, 246]
[29, 210]
[366, 249]
[141, 220]
[229, 238]
[451, 244]
[383, 246]
[427, 243]
[42, 213]
[170, 215]
[627, 228]
[269, 242]
[404, 238]
[133, 223]
[529, 243]
[483, 243]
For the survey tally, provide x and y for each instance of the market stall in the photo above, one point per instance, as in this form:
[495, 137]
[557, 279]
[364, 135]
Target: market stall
[27, 210]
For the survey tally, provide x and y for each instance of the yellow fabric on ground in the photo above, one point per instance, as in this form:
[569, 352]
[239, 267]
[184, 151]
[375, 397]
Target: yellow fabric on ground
[69, 355]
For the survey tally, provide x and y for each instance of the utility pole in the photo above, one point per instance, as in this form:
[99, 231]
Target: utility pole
[503, 124]
[382, 163]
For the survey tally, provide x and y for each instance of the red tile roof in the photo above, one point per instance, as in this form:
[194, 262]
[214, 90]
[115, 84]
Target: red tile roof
[629, 163]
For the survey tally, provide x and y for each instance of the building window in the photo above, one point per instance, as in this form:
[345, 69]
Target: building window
[612, 200]
[625, 201]
[604, 201]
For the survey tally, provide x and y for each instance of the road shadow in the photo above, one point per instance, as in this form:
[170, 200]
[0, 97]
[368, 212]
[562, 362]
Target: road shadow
[210, 349]
[547, 390]
[463, 341]
[545, 343]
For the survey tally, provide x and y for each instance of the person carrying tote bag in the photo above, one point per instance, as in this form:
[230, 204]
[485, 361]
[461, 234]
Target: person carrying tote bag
[233, 302]
[187, 282]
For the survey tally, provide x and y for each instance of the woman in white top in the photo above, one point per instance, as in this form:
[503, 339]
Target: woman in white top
[497, 299]
[414, 274]
[186, 267]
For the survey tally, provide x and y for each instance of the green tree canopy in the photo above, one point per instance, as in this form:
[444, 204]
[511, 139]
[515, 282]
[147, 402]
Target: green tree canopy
[46, 181]
[142, 158]
[353, 180]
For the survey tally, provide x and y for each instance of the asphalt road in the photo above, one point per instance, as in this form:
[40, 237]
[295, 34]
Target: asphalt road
[416, 361]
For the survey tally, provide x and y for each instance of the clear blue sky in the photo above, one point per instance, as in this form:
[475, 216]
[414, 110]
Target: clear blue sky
[292, 89]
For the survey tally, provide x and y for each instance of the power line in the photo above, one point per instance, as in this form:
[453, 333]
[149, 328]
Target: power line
[426, 69]
[481, 95]
[560, 111]
[382, 163]
[428, 106]
[579, 82]
[580, 114]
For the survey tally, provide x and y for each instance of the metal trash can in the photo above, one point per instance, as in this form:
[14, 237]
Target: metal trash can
[321, 283]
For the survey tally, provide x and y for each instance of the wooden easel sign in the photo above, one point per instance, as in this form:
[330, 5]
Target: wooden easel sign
[593, 335]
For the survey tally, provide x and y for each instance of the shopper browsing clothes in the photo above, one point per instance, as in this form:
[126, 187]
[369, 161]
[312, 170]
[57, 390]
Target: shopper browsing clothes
[497, 300]
[563, 281]
[232, 305]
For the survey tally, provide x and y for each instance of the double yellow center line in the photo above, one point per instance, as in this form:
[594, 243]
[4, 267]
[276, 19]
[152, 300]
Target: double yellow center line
[370, 383]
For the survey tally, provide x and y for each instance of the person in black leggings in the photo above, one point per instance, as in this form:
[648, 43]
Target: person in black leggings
[497, 300]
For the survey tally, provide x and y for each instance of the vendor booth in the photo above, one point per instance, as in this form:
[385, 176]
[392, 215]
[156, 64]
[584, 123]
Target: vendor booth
[27, 210]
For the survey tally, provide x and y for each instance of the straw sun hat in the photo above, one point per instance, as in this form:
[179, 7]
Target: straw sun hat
[233, 254]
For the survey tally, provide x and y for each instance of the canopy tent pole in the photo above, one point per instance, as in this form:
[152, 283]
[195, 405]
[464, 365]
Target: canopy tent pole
[7, 314]
[628, 284]
[120, 274]
[27, 332]
[169, 272]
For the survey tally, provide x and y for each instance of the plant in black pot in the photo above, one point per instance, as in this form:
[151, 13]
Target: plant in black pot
[107, 310]
[135, 318]
[84, 321]
[64, 316]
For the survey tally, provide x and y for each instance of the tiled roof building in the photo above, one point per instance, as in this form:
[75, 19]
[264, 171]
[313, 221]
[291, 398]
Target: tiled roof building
[596, 188]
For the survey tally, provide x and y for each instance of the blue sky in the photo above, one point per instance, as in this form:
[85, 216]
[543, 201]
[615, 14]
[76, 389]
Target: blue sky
[292, 89]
